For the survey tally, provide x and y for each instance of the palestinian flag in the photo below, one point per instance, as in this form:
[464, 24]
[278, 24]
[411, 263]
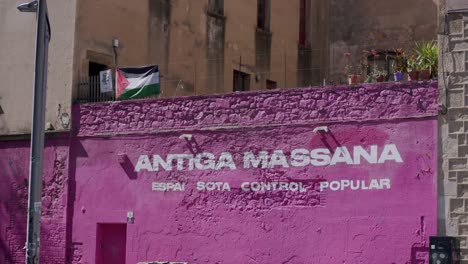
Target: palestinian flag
[132, 83]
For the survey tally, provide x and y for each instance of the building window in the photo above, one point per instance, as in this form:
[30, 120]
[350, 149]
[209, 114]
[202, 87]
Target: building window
[216, 7]
[303, 22]
[263, 15]
[270, 85]
[241, 81]
[381, 61]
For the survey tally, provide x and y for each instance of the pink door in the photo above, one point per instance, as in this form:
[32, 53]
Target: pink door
[111, 242]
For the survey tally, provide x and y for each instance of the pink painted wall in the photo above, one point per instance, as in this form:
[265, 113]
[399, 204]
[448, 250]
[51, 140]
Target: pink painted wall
[378, 226]
[86, 184]
[270, 227]
[14, 164]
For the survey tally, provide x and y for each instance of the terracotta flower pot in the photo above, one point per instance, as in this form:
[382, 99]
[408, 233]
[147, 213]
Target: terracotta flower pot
[381, 78]
[354, 79]
[425, 74]
[413, 76]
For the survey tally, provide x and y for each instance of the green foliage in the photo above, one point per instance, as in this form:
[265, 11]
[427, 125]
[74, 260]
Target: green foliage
[400, 61]
[413, 64]
[427, 53]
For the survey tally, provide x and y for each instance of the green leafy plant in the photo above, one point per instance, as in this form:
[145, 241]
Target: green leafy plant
[400, 60]
[413, 64]
[427, 53]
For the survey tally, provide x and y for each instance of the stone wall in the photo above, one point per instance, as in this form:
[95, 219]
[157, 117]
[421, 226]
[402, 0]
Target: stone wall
[383, 101]
[453, 171]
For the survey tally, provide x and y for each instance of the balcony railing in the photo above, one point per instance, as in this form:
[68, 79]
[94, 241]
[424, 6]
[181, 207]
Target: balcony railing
[89, 90]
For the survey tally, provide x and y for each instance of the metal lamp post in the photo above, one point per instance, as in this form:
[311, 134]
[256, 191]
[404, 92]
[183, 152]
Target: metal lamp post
[37, 137]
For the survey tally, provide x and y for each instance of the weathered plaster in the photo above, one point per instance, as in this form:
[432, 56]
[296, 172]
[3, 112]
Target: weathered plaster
[14, 161]
[17, 36]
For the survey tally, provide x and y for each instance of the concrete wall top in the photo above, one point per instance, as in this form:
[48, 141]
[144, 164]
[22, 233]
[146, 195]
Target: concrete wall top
[289, 106]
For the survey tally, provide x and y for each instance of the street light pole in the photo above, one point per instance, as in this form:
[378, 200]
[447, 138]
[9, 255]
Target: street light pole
[38, 126]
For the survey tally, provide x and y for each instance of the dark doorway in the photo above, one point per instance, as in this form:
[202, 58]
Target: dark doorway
[95, 68]
[241, 81]
[111, 242]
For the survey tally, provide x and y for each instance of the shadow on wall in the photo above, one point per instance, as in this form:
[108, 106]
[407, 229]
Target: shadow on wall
[73, 249]
[13, 201]
[127, 166]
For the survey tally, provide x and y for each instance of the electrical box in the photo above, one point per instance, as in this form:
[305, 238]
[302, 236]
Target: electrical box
[444, 250]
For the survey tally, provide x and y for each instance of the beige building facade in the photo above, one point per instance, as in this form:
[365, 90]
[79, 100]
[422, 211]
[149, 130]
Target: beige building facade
[17, 36]
[202, 47]
[199, 44]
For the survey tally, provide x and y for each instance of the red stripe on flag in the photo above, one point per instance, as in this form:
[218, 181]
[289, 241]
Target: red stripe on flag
[121, 83]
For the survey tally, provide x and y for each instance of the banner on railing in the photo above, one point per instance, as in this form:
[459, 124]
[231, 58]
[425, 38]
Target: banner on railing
[105, 79]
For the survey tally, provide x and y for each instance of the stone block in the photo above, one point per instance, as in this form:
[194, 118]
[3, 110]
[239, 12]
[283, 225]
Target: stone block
[463, 230]
[457, 114]
[464, 256]
[456, 46]
[463, 191]
[451, 188]
[463, 219]
[455, 24]
[457, 164]
[462, 177]
[462, 151]
[456, 205]
[462, 139]
[454, 62]
[457, 98]
[463, 241]
[458, 78]
[456, 127]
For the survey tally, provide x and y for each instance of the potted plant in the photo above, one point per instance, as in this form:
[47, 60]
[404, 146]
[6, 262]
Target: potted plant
[376, 73]
[353, 76]
[413, 69]
[399, 65]
[427, 57]
[353, 70]
[379, 75]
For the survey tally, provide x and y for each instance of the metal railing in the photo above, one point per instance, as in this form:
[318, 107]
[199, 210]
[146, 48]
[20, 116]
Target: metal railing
[89, 90]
